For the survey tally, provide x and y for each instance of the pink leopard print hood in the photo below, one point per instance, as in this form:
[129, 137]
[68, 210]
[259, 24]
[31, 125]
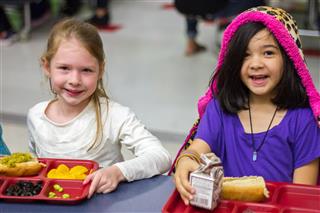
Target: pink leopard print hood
[284, 28]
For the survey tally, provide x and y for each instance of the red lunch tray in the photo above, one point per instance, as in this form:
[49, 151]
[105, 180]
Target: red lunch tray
[283, 198]
[74, 188]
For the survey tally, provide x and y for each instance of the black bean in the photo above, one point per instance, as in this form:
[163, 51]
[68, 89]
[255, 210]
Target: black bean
[24, 188]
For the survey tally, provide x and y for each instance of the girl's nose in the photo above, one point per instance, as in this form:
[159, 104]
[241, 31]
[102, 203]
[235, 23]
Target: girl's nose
[75, 78]
[256, 63]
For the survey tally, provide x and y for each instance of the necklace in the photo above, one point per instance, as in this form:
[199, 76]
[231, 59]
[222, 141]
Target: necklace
[255, 151]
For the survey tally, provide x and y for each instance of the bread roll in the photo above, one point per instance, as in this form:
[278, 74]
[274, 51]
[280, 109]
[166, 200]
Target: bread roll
[20, 164]
[248, 188]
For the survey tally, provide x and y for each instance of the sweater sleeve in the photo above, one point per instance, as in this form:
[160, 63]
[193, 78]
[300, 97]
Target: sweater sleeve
[151, 158]
[30, 125]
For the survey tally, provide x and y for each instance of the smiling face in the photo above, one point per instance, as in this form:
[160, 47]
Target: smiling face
[74, 73]
[262, 67]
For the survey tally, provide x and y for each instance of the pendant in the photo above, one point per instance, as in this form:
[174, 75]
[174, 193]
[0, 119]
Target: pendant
[254, 156]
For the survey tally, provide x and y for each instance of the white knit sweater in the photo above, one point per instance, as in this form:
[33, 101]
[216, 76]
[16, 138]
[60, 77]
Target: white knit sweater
[120, 127]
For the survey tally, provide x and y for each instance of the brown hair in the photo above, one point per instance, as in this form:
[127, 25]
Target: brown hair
[89, 37]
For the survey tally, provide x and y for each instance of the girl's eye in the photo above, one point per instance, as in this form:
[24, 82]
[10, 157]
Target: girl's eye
[63, 68]
[87, 70]
[268, 53]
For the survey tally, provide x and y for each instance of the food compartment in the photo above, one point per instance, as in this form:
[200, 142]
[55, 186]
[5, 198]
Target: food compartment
[22, 189]
[257, 208]
[31, 170]
[271, 188]
[283, 198]
[175, 204]
[69, 169]
[299, 196]
[224, 207]
[2, 184]
[43, 171]
[299, 210]
[37, 188]
[65, 191]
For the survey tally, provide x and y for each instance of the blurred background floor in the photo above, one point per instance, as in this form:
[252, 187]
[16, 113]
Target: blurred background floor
[146, 71]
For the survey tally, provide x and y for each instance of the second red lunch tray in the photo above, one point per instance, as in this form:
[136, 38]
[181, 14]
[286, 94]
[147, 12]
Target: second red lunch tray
[77, 191]
[284, 198]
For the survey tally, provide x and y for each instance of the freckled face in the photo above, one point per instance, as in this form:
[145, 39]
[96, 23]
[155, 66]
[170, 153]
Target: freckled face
[74, 73]
[262, 67]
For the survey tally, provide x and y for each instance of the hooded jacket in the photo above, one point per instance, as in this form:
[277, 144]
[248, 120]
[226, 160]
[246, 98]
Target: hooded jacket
[284, 28]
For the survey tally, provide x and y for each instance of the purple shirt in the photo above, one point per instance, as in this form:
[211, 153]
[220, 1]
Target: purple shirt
[294, 142]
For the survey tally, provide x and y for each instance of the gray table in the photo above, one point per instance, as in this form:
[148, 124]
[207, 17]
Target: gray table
[148, 195]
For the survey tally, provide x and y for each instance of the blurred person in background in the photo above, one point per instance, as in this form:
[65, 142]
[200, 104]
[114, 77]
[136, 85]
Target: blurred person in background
[208, 10]
[101, 17]
[71, 7]
[7, 34]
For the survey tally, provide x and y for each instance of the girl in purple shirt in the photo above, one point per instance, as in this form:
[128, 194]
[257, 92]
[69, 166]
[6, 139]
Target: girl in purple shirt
[261, 113]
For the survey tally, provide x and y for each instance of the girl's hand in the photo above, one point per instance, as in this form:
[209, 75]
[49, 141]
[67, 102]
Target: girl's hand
[181, 178]
[104, 180]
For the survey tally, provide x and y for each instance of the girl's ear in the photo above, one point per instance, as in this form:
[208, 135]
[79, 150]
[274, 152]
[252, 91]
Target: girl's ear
[45, 67]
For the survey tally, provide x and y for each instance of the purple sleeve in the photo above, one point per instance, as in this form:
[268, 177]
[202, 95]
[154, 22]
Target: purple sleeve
[307, 140]
[210, 127]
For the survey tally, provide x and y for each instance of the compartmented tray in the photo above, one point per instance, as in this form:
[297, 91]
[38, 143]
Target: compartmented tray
[284, 198]
[43, 185]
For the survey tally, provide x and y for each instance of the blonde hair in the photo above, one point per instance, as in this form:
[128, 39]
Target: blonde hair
[89, 37]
